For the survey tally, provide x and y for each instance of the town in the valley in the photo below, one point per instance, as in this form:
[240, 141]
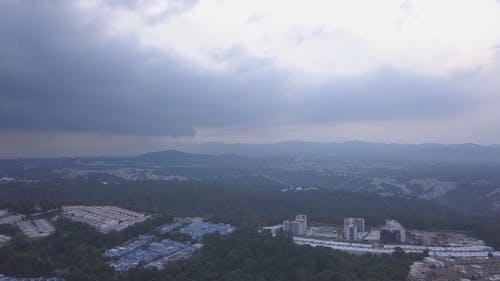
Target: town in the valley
[448, 255]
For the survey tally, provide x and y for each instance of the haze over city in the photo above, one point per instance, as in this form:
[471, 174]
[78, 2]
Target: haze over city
[93, 77]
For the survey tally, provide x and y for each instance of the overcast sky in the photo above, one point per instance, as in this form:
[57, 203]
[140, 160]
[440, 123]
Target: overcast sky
[116, 77]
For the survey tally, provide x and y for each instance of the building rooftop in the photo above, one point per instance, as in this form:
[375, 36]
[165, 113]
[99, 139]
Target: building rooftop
[103, 218]
[36, 228]
[149, 251]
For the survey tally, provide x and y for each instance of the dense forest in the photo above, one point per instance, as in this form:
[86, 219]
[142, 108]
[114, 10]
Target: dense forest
[250, 204]
[247, 256]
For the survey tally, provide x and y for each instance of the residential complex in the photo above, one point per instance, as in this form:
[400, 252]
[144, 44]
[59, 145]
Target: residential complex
[147, 254]
[4, 240]
[456, 269]
[363, 248]
[5, 278]
[150, 251]
[130, 246]
[353, 229]
[103, 218]
[197, 229]
[31, 228]
[180, 255]
[358, 222]
[389, 238]
[9, 218]
[36, 228]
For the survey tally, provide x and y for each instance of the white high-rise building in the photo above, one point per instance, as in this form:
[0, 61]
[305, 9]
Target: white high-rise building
[393, 232]
[302, 218]
[352, 226]
[351, 232]
[286, 226]
[297, 226]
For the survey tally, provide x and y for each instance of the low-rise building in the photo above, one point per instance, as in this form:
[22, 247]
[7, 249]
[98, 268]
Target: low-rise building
[4, 240]
[149, 251]
[196, 230]
[103, 218]
[6, 278]
[9, 218]
[457, 268]
[372, 236]
[36, 228]
[143, 256]
[363, 248]
[419, 272]
[185, 253]
[323, 232]
[272, 229]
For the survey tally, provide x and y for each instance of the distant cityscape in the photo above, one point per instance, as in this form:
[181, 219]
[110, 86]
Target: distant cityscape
[450, 255]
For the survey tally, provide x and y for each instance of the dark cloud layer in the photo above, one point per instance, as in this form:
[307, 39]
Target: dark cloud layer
[61, 73]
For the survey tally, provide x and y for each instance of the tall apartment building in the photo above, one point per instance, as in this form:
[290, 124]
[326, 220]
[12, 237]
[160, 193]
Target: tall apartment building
[297, 226]
[392, 232]
[353, 226]
[351, 232]
[286, 226]
[302, 218]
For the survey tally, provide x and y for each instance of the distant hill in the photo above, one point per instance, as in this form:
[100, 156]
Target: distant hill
[216, 153]
[174, 157]
[356, 150]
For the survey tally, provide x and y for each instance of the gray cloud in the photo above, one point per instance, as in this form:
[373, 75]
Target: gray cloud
[175, 7]
[61, 73]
